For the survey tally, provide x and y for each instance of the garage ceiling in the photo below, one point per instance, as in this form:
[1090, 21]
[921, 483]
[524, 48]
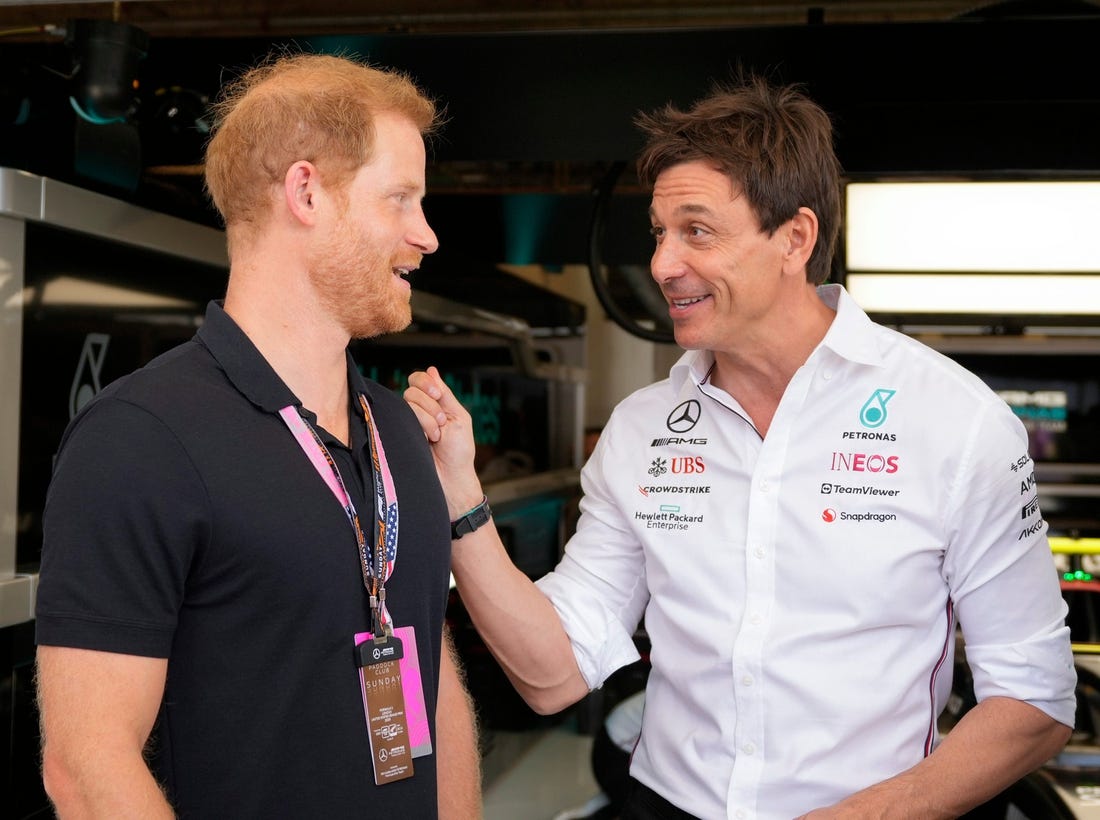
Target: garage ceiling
[541, 94]
[276, 18]
[540, 97]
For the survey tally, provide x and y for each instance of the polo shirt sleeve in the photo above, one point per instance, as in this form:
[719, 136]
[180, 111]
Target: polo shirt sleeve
[1001, 573]
[599, 588]
[124, 513]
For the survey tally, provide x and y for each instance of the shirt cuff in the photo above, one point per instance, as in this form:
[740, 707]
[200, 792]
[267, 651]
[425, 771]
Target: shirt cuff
[601, 644]
[1039, 672]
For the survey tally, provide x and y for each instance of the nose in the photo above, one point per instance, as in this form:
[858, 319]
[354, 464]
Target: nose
[422, 236]
[666, 263]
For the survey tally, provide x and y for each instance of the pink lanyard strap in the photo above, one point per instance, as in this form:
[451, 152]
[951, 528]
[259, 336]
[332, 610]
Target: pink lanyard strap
[377, 567]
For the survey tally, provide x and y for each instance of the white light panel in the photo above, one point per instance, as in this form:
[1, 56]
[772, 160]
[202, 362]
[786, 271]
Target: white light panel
[1012, 294]
[986, 227]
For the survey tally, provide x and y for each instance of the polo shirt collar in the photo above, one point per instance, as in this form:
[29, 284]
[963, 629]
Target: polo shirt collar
[243, 364]
[248, 370]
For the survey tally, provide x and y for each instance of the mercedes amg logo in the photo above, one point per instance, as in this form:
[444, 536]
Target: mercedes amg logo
[684, 416]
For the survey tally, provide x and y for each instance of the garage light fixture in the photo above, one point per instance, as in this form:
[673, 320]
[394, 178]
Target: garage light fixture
[1015, 248]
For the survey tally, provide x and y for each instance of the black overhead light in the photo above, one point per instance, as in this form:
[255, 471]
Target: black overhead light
[104, 76]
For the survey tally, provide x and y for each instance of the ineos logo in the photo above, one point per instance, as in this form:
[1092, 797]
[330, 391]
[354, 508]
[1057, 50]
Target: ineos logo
[684, 416]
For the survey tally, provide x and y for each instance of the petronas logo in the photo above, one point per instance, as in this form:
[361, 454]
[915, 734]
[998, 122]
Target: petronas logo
[873, 412]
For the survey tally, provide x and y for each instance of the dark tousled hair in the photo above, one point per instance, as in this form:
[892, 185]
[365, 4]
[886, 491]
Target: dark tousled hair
[772, 141]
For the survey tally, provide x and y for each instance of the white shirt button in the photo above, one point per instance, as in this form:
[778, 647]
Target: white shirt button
[755, 618]
[765, 485]
[826, 374]
[758, 552]
[746, 680]
[740, 814]
[748, 749]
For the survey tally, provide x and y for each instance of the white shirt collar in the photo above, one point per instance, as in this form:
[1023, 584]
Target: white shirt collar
[850, 336]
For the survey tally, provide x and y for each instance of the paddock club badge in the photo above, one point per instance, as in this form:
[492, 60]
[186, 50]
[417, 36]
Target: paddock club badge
[384, 708]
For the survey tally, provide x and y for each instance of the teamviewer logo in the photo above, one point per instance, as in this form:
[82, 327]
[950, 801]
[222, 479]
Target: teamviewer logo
[826, 488]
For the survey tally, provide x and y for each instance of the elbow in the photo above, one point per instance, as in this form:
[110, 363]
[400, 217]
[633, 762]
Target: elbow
[545, 705]
[1059, 737]
[60, 782]
[551, 700]
[1048, 743]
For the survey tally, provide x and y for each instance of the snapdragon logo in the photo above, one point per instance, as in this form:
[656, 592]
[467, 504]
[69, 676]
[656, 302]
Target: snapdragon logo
[829, 515]
[873, 412]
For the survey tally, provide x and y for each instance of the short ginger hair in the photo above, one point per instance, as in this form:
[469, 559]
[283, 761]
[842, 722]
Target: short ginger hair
[312, 107]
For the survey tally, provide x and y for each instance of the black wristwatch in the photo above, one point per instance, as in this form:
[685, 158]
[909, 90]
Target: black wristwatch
[472, 520]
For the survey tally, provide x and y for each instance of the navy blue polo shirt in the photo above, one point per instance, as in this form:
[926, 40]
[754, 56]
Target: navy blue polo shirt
[184, 522]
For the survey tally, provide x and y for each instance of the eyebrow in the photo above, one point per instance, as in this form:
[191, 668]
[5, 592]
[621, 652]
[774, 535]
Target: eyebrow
[409, 186]
[688, 208]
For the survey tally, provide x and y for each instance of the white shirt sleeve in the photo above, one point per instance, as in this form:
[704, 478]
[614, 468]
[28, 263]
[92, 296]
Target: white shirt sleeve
[1002, 576]
[599, 587]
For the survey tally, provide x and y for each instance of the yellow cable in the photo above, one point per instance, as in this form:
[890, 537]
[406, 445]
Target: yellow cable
[1075, 546]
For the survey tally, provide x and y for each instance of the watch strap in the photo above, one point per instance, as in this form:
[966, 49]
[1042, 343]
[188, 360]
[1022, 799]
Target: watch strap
[471, 521]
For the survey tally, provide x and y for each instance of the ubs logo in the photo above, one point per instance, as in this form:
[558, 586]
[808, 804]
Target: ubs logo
[684, 416]
[688, 464]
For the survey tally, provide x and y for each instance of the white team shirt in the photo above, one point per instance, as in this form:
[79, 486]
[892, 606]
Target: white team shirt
[801, 592]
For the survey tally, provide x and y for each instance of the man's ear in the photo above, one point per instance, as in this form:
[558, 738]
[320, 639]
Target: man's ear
[801, 235]
[301, 187]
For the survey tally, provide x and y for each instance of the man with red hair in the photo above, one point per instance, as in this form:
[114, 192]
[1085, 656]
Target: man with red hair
[246, 549]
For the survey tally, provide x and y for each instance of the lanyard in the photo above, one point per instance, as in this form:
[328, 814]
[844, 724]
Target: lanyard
[377, 563]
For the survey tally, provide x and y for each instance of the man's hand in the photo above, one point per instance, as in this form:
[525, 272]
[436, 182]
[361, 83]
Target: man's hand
[449, 430]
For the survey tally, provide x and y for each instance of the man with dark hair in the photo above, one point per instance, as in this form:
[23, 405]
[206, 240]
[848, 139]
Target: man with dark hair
[803, 512]
[231, 622]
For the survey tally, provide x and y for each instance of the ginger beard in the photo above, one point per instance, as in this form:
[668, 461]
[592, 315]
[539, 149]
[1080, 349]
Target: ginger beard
[357, 283]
